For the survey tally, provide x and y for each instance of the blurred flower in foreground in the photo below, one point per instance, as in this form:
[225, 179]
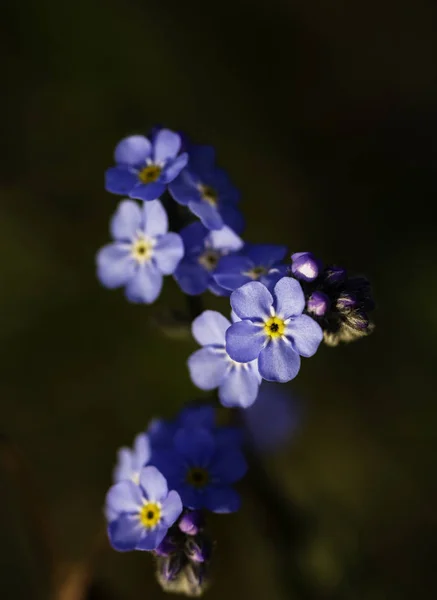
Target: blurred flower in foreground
[142, 253]
[144, 168]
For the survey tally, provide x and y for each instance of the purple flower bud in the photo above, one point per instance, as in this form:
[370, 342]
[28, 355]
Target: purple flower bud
[305, 266]
[346, 302]
[166, 547]
[198, 549]
[318, 303]
[171, 566]
[191, 522]
[334, 275]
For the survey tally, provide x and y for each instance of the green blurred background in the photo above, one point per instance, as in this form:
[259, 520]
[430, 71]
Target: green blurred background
[325, 115]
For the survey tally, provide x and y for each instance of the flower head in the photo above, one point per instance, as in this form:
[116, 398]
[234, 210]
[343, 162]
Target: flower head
[211, 367]
[202, 470]
[273, 329]
[144, 167]
[203, 250]
[131, 461]
[207, 191]
[142, 252]
[141, 514]
[256, 262]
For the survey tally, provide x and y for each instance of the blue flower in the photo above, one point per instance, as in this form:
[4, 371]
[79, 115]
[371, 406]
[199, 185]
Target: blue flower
[141, 514]
[211, 367]
[207, 191]
[202, 470]
[273, 329]
[142, 253]
[131, 461]
[256, 262]
[203, 249]
[144, 167]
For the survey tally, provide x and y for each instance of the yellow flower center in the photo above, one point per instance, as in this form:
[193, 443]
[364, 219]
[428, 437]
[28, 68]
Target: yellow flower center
[256, 272]
[142, 249]
[208, 194]
[150, 173]
[274, 327]
[197, 477]
[209, 259]
[150, 514]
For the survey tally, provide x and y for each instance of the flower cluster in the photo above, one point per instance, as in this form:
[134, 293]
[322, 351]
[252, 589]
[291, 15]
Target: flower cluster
[180, 217]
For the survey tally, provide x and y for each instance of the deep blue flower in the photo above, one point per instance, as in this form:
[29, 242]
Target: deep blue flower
[207, 191]
[203, 249]
[141, 514]
[144, 167]
[142, 253]
[256, 262]
[211, 367]
[273, 329]
[131, 461]
[202, 470]
[305, 266]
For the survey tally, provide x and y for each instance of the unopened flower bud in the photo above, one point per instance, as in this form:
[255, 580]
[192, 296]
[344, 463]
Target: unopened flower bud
[305, 266]
[318, 304]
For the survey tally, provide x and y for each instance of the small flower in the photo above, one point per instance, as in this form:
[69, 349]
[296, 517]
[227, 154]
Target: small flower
[318, 304]
[305, 266]
[202, 470]
[203, 250]
[131, 461]
[143, 513]
[256, 262]
[142, 253]
[144, 168]
[273, 329]
[211, 367]
[207, 191]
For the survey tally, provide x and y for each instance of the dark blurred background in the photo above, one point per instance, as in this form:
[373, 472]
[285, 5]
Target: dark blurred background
[325, 115]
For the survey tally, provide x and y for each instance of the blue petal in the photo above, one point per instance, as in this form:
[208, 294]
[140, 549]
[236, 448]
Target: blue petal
[208, 214]
[168, 252]
[191, 497]
[210, 328]
[124, 497]
[233, 218]
[278, 361]
[207, 368]
[239, 388]
[193, 236]
[197, 445]
[154, 218]
[265, 254]
[272, 278]
[120, 180]
[141, 453]
[222, 500]
[151, 538]
[202, 415]
[147, 191]
[173, 168]
[252, 301]
[169, 463]
[146, 284]
[166, 145]
[192, 278]
[305, 335]
[171, 508]
[126, 221]
[225, 239]
[202, 159]
[125, 532]
[289, 298]
[230, 269]
[123, 470]
[229, 466]
[184, 190]
[217, 289]
[153, 484]
[133, 150]
[244, 341]
[115, 265]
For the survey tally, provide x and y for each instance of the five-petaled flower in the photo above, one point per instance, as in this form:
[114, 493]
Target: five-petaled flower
[211, 367]
[256, 262]
[142, 253]
[202, 470]
[203, 250]
[273, 329]
[141, 514]
[207, 191]
[144, 167]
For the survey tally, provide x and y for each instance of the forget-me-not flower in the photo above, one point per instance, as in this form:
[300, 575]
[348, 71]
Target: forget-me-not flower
[144, 167]
[141, 514]
[256, 262]
[203, 250]
[273, 329]
[211, 367]
[142, 252]
[207, 191]
[202, 470]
